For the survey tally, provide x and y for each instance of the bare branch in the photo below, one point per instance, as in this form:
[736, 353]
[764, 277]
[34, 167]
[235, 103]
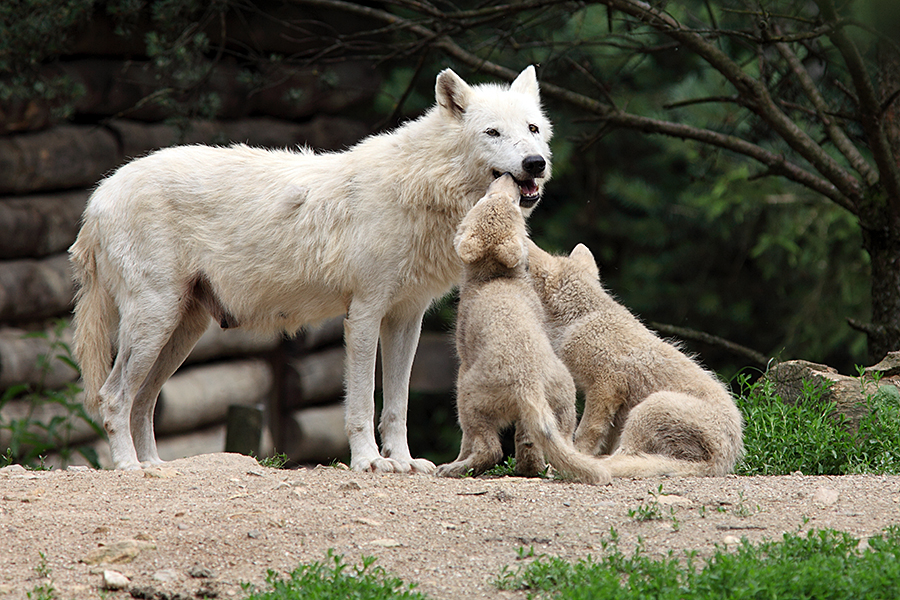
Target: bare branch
[869, 106]
[752, 89]
[843, 194]
[686, 333]
[835, 133]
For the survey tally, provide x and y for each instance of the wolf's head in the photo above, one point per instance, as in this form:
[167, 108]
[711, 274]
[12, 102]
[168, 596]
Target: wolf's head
[493, 232]
[503, 129]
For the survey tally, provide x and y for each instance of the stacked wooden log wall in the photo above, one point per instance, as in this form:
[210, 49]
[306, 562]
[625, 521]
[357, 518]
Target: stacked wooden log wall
[47, 170]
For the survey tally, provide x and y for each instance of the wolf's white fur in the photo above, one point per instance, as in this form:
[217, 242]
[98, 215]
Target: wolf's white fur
[273, 240]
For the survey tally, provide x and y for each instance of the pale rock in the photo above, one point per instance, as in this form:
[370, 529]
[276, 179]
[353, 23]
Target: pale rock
[113, 580]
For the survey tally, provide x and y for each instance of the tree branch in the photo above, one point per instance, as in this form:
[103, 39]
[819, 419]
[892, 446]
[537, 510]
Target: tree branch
[686, 333]
[869, 106]
[835, 133]
[753, 89]
[777, 164]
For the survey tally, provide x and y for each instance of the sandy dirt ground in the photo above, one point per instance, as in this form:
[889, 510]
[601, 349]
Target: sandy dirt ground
[199, 527]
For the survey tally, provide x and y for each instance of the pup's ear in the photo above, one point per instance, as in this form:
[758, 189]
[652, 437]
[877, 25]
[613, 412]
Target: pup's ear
[510, 253]
[452, 93]
[584, 259]
[526, 83]
[469, 247]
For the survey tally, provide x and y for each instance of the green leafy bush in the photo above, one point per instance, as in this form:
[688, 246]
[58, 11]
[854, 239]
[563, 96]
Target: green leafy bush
[810, 436]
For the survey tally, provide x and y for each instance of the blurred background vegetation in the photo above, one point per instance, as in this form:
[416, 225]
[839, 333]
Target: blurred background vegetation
[686, 234]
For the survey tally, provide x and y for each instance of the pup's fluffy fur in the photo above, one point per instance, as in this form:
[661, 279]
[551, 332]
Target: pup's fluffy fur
[508, 371]
[650, 407]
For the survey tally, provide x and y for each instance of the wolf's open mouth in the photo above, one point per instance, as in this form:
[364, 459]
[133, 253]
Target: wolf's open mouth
[528, 190]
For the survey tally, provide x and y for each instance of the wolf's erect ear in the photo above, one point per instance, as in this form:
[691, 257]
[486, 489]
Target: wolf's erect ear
[584, 259]
[526, 83]
[452, 93]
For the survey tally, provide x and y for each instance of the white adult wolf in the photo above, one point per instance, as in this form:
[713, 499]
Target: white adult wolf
[273, 240]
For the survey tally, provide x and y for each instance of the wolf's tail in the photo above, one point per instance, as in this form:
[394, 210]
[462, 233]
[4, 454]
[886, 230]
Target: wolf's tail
[95, 317]
[543, 429]
[657, 465]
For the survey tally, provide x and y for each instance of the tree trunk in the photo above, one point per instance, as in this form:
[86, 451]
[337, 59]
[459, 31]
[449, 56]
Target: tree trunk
[883, 241]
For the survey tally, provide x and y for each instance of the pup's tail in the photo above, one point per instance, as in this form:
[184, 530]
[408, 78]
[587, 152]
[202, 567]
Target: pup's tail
[95, 317]
[656, 465]
[543, 430]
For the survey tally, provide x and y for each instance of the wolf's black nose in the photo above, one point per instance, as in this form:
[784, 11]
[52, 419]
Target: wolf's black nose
[534, 164]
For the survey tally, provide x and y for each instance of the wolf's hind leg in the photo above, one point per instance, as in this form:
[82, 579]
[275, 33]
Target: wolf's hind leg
[147, 320]
[193, 323]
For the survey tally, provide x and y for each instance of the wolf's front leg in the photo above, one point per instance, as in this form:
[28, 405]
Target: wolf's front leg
[361, 342]
[399, 339]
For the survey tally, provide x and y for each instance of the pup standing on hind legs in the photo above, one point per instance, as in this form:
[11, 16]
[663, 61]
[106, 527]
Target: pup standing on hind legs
[508, 371]
[653, 409]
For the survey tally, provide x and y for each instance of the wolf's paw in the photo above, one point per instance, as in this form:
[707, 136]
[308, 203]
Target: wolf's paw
[454, 469]
[375, 465]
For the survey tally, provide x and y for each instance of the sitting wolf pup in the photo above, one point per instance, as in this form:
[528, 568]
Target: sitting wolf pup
[508, 371]
[651, 408]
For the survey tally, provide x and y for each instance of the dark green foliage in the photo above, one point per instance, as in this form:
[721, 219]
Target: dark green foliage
[32, 440]
[826, 565]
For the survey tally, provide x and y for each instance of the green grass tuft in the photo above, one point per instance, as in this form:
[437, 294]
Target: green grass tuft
[332, 579]
[825, 564]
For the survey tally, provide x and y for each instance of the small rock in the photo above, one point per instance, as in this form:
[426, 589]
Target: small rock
[118, 552]
[369, 522]
[161, 472]
[166, 575]
[731, 540]
[113, 580]
[385, 543]
[349, 486]
[673, 500]
[253, 533]
[198, 572]
[207, 590]
[826, 496]
[13, 470]
[504, 496]
[78, 469]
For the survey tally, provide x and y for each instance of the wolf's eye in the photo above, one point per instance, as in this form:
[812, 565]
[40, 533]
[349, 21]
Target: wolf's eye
[533, 128]
[492, 132]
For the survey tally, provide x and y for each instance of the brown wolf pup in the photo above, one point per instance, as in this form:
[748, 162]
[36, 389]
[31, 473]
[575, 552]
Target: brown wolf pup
[508, 371]
[647, 405]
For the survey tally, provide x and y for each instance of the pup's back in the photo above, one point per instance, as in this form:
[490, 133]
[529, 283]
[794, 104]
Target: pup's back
[637, 386]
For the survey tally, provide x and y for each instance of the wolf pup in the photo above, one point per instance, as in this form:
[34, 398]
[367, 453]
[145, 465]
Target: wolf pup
[651, 408]
[508, 371]
[274, 239]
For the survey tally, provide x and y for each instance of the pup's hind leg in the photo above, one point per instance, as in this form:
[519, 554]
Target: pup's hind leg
[480, 448]
[193, 323]
[560, 393]
[668, 433]
[146, 323]
[399, 338]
